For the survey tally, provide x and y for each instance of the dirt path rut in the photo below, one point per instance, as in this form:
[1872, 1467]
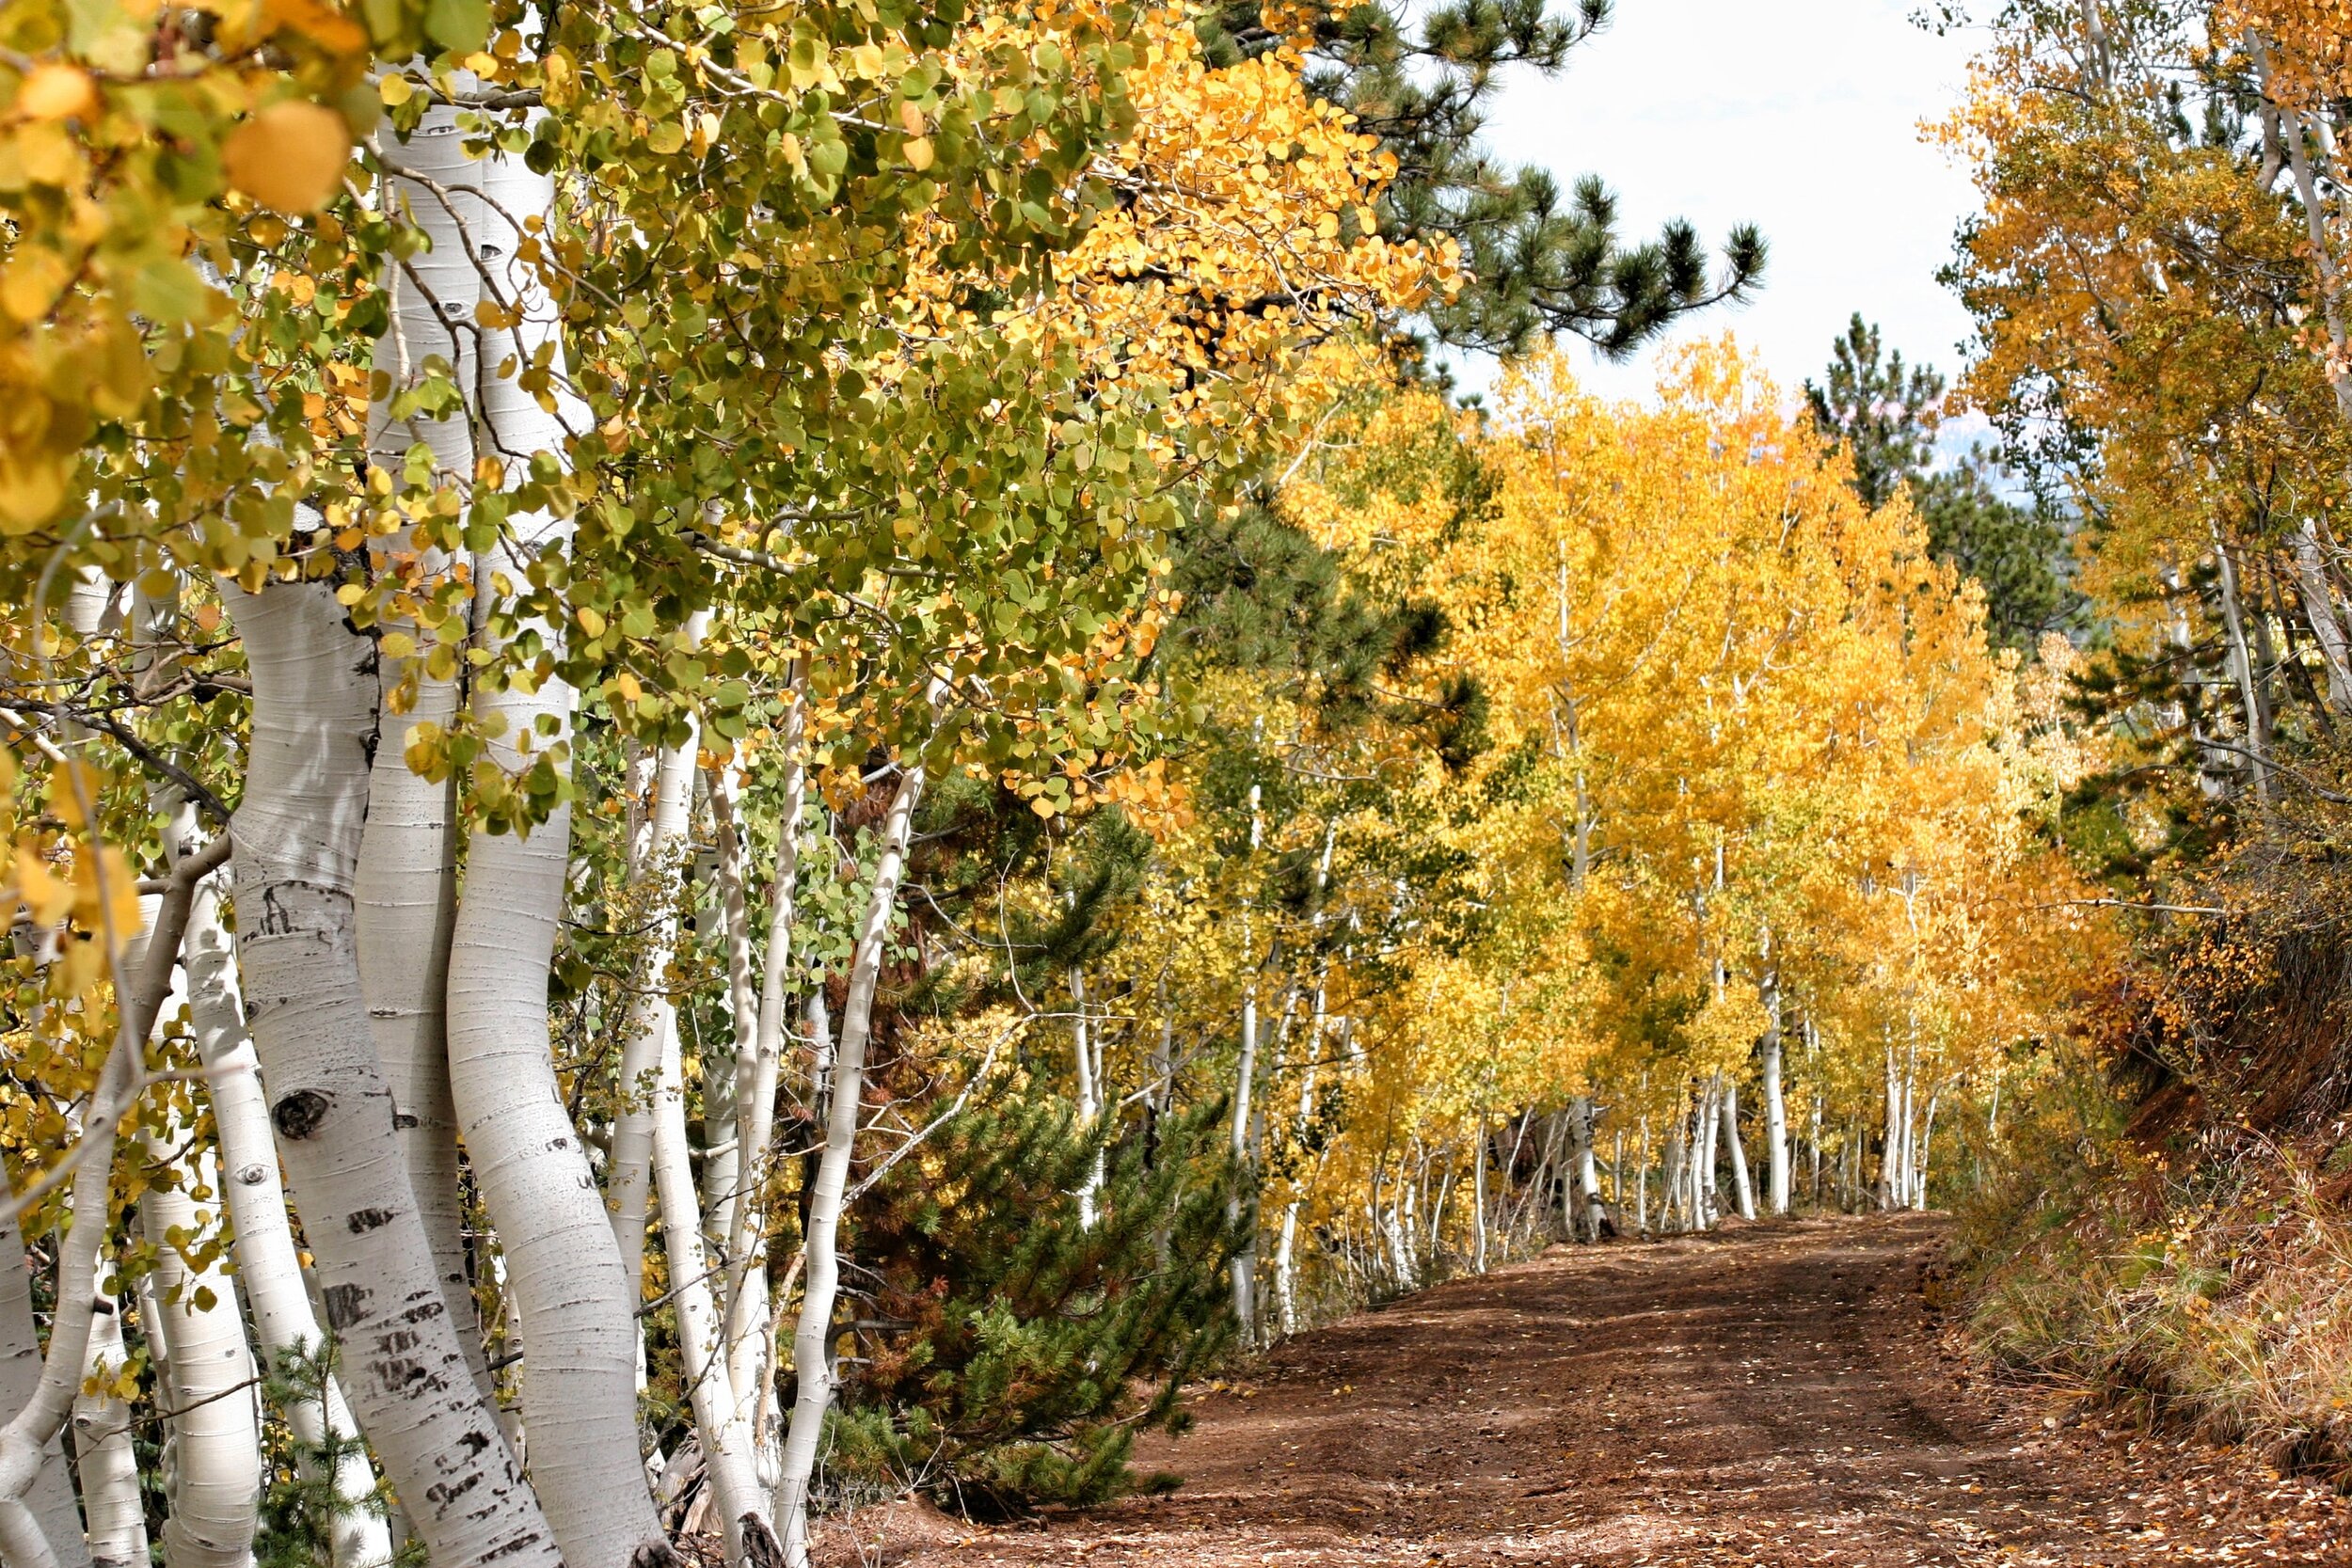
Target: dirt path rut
[1776, 1395]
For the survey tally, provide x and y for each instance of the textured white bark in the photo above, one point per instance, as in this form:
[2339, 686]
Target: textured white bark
[1244, 1268]
[408, 879]
[215, 1416]
[407, 889]
[563, 1271]
[720, 1420]
[628, 1174]
[49, 1500]
[1089, 1097]
[1286, 1247]
[269, 1269]
[1743, 1190]
[812, 1339]
[751, 1330]
[1776, 1107]
[729, 1082]
[298, 837]
[103, 1457]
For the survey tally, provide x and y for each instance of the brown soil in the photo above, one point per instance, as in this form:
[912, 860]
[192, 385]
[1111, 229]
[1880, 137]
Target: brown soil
[1780, 1394]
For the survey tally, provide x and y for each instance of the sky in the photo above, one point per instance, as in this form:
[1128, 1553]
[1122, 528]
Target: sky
[1801, 116]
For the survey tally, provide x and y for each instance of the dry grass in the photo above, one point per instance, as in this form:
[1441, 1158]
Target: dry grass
[2204, 1283]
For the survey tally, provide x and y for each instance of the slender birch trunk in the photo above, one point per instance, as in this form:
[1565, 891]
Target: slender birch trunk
[1478, 1195]
[1742, 1190]
[718, 1419]
[1677, 1155]
[629, 1173]
[1089, 1098]
[750, 1330]
[216, 1428]
[102, 1455]
[812, 1339]
[269, 1270]
[1244, 1268]
[1775, 1104]
[50, 1497]
[406, 882]
[298, 837]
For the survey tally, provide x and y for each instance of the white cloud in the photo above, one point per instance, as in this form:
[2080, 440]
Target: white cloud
[1802, 117]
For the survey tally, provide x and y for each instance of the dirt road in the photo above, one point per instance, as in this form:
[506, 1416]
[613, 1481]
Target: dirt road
[1777, 1394]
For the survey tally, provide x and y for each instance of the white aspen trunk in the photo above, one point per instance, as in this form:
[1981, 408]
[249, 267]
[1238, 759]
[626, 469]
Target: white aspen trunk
[407, 889]
[2317, 224]
[1926, 1139]
[1286, 1255]
[50, 1497]
[1673, 1177]
[1408, 1222]
[1592, 1210]
[725, 1436]
[216, 1415]
[407, 883]
[812, 1339]
[103, 1456]
[1891, 1157]
[1478, 1195]
[564, 1271]
[1089, 1098]
[298, 837]
[269, 1270]
[1742, 1190]
[629, 1173]
[1813, 1068]
[726, 1171]
[751, 1333]
[1244, 1267]
[1706, 1204]
[1776, 1107]
[1640, 1182]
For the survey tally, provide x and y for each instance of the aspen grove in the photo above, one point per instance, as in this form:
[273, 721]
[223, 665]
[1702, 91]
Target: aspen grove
[759, 755]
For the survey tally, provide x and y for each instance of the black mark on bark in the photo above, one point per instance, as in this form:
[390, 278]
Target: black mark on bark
[300, 1113]
[364, 1220]
[345, 1304]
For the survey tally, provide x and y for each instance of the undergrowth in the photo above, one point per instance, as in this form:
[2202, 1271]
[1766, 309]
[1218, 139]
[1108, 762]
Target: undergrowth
[2200, 1278]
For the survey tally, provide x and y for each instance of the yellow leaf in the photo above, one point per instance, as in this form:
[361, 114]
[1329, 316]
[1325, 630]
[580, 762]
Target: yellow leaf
[290, 156]
[57, 91]
[919, 153]
[591, 621]
[395, 90]
[47, 897]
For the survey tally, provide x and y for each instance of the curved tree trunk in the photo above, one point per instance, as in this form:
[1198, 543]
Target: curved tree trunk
[216, 1415]
[564, 1271]
[103, 1456]
[726, 1438]
[630, 1172]
[812, 1339]
[50, 1499]
[269, 1270]
[297, 843]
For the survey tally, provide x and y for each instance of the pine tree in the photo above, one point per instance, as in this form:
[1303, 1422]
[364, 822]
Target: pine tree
[1008, 1353]
[1882, 414]
[1539, 263]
